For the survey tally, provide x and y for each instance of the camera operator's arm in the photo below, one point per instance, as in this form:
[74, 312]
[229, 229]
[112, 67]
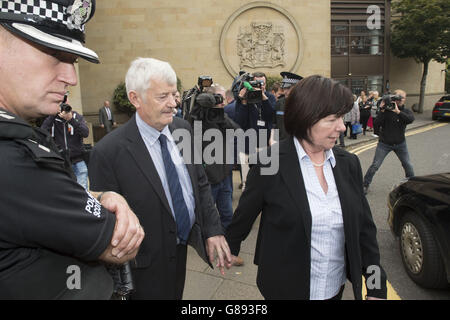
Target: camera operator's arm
[405, 115]
[267, 110]
[78, 123]
[379, 119]
[242, 111]
[48, 123]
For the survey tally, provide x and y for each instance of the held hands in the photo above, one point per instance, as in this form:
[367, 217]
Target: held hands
[128, 232]
[219, 245]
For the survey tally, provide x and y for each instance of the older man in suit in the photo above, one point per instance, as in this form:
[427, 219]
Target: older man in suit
[106, 117]
[169, 193]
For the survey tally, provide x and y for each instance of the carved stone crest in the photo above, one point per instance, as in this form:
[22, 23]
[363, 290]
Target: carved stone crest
[261, 45]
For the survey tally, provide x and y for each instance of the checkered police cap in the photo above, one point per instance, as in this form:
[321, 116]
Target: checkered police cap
[289, 79]
[57, 24]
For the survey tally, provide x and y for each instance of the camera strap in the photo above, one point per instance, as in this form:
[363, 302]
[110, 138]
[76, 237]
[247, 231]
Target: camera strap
[260, 122]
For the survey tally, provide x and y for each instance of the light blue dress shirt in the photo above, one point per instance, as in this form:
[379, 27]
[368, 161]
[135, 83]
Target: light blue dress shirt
[327, 232]
[150, 136]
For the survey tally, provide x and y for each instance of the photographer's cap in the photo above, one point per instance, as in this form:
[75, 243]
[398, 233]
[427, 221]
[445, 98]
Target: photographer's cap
[56, 24]
[289, 79]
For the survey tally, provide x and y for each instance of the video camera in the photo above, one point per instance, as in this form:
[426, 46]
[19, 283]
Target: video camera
[247, 80]
[389, 100]
[200, 105]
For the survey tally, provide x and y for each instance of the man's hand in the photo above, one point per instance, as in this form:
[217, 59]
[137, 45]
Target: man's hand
[396, 110]
[219, 245]
[264, 97]
[242, 94]
[128, 233]
[66, 115]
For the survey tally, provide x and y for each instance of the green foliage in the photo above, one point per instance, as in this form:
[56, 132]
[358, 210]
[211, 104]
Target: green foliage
[271, 80]
[421, 30]
[179, 86]
[120, 100]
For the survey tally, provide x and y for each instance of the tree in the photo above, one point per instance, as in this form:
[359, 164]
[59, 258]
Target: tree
[421, 31]
[120, 100]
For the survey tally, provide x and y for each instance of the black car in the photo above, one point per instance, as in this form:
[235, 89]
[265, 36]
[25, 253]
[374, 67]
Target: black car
[419, 215]
[441, 109]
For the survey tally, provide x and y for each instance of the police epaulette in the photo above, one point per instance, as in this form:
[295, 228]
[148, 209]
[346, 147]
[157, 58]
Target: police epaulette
[41, 153]
[13, 127]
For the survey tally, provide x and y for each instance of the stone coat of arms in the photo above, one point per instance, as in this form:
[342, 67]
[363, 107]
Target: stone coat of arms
[261, 45]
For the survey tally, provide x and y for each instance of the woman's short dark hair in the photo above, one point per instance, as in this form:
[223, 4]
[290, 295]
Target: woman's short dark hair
[312, 99]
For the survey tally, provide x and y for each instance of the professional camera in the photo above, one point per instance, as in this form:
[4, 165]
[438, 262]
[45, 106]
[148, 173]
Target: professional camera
[247, 80]
[64, 106]
[389, 100]
[200, 105]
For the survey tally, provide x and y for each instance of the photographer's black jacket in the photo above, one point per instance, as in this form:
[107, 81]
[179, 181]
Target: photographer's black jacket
[248, 115]
[218, 172]
[68, 135]
[392, 126]
[48, 222]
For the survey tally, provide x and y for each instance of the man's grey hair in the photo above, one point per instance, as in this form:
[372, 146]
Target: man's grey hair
[143, 70]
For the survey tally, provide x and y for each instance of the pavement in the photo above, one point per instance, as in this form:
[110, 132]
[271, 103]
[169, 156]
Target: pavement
[239, 283]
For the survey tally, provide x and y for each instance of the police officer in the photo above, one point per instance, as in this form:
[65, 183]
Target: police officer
[289, 80]
[54, 235]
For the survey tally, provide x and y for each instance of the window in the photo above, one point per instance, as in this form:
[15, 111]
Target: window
[375, 83]
[356, 40]
[339, 40]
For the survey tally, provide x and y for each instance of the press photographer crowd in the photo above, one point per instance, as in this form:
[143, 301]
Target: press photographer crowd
[115, 222]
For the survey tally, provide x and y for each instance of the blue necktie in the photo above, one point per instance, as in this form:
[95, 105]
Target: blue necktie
[179, 205]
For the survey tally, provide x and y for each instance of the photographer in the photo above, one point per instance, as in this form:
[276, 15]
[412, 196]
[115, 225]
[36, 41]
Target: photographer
[220, 174]
[209, 109]
[254, 115]
[391, 123]
[68, 128]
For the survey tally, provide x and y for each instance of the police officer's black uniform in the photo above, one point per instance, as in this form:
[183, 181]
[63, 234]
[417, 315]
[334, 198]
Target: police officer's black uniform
[279, 116]
[289, 79]
[50, 227]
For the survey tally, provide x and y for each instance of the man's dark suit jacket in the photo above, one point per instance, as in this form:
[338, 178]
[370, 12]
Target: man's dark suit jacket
[283, 248]
[103, 118]
[120, 162]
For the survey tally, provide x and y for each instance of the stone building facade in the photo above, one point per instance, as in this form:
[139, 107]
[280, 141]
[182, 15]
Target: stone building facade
[219, 38]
